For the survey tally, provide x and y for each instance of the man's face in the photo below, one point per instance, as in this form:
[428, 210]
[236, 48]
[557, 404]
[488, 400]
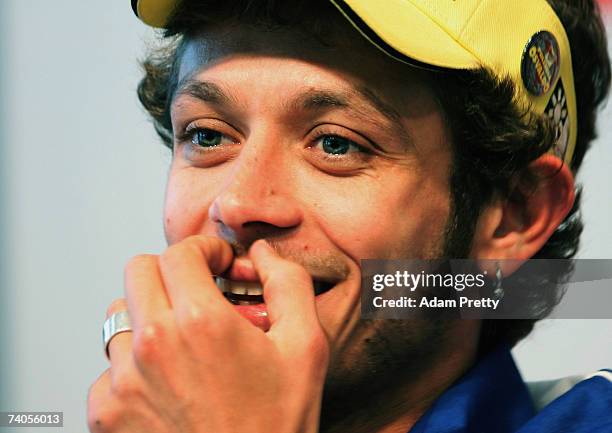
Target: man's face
[332, 154]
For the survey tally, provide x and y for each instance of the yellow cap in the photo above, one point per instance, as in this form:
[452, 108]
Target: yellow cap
[523, 39]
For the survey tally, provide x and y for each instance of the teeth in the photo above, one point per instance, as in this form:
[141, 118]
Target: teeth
[239, 287]
[251, 288]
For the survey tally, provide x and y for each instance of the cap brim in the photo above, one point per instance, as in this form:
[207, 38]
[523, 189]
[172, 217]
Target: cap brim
[427, 43]
[438, 48]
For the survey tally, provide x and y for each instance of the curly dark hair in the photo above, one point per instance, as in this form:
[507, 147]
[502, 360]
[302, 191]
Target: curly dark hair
[493, 145]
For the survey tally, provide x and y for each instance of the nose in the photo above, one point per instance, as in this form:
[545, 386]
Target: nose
[257, 199]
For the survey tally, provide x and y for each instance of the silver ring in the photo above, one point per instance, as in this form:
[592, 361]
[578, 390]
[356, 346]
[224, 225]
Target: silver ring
[115, 324]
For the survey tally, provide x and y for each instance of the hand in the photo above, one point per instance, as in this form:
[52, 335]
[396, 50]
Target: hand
[193, 364]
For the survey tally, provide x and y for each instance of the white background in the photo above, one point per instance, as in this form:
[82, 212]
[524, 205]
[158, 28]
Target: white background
[82, 178]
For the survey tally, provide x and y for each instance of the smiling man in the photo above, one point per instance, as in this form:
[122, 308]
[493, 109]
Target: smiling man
[309, 135]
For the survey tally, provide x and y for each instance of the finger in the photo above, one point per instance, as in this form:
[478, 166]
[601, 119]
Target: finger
[187, 270]
[100, 389]
[150, 310]
[288, 292]
[145, 293]
[101, 414]
[120, 345]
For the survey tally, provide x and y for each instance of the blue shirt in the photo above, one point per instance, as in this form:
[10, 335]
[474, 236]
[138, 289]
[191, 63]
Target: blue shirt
[492, 397]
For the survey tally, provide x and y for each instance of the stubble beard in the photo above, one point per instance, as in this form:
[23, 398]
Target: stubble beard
[384, 358]
[364, 384]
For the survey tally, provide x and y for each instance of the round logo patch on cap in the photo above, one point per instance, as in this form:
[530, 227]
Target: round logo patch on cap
[541, 63]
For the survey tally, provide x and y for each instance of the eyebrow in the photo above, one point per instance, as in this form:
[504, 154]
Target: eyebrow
[310, 100]
[203, 90]
[323, 99]
[318, 99]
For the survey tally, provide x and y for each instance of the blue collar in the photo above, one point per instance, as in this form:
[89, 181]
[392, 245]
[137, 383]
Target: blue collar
[491, 397]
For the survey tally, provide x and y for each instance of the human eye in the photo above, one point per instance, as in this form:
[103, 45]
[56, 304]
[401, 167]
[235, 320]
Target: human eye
[206, 144]
[338, 151]
[336, 145]
[206, 137]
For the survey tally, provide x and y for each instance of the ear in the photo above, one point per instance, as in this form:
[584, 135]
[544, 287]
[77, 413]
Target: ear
[511, 229]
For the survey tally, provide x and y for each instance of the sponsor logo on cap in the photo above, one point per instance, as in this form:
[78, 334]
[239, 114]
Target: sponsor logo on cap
[540, 63]
[556, 110]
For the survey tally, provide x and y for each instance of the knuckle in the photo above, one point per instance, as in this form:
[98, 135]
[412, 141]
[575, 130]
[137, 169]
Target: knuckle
[316, 348]
[125, 389]
[192, 320]
[147, 343]
[119, 304]
[198, 321]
